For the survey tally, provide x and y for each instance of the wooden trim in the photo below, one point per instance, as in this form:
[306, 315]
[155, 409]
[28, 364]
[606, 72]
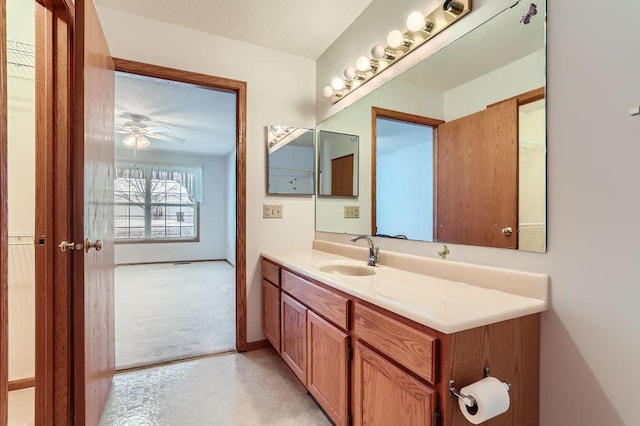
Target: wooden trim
[164, 262]
[377, 112]
[15, 385]
[54, 360]
[524, 98]
[240, 88]
[259, 344]
[4, 234]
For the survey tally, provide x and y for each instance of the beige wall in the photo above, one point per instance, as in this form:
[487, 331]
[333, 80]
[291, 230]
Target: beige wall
[21, 197]
[590, 344]
[280, 89]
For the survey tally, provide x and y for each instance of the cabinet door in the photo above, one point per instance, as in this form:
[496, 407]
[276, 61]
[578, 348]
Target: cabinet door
[387, 395]
[271, 313]
[327, 367]
[294, 335]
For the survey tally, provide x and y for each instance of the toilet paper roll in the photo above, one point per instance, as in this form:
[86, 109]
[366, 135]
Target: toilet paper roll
[492, 399]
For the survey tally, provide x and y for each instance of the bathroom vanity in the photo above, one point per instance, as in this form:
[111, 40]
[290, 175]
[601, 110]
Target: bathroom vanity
[379, 345]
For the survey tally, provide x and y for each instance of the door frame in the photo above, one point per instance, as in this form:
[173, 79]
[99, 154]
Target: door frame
[377, 112]
[240, 88]
[4, 232]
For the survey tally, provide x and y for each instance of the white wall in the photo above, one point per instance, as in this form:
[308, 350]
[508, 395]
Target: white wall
[280, 89]
[213, 212]
[590, 345]
[518, 77]
[231, 207]
[532, 180]
[21, 197]
[404, 185]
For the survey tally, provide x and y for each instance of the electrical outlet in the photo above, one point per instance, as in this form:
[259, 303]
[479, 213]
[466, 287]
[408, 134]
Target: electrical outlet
[351, 212]
[272, 211]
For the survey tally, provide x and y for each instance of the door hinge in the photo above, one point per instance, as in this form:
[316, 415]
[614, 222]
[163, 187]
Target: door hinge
[349, 353]
[437, 418]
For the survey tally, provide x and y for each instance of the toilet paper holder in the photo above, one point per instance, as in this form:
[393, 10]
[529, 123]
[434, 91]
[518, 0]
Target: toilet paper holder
[470, 401]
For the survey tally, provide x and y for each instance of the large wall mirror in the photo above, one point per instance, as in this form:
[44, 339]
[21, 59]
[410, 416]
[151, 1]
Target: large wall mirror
[454, 149]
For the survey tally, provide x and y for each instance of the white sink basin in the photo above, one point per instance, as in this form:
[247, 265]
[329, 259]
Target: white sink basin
[349, 269]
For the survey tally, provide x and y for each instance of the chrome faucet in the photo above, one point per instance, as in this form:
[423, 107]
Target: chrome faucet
[373, 250]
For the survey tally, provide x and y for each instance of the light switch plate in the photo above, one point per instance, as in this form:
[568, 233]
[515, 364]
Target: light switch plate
[272, 211]
[351, 212]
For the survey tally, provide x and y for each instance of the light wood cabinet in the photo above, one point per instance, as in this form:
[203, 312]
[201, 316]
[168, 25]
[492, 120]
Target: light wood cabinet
[271, 313]
[400, 371]
[327, 367]
[384, 394]
[293, 327]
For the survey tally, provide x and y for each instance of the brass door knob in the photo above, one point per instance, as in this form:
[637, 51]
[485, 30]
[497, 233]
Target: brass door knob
[88, 245]
[65, 246]
[507, 230]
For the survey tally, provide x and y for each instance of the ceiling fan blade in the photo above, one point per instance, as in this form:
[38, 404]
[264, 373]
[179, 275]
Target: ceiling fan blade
[124, 132]
[163, 137]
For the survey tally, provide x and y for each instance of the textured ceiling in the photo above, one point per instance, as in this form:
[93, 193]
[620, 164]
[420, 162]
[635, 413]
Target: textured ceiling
[301, 27]
[205, 118]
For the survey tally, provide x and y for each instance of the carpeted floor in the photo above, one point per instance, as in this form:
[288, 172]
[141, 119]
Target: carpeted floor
[165, 312]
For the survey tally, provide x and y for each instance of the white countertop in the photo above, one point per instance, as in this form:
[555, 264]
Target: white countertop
[443, 305]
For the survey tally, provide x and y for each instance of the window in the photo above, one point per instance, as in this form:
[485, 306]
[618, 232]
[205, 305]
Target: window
[155, 202]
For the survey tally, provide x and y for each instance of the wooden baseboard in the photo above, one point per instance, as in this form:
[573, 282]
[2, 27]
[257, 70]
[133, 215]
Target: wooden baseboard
[22, 384]
[260, 344]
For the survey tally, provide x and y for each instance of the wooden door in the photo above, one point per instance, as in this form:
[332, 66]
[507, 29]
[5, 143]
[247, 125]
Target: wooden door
[327, 361]
[386, 395]
[294, 335]
[94, 346]
[271, 313]
[342, 175]
[477, 178]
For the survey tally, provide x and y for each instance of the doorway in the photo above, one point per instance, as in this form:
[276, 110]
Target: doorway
[21, 172]
[174, 220]
[403, 171]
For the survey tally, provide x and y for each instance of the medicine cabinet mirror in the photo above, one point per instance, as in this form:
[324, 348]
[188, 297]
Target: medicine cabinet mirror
[290, 160]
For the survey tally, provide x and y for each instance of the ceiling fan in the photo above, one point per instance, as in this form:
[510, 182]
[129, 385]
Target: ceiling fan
[141, 128]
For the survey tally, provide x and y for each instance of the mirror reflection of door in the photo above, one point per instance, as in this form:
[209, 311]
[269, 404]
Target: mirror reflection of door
[478, 176]
[403, 170]
[342, 175]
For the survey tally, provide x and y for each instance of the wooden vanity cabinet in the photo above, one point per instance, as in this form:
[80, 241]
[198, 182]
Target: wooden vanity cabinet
[400, 370]
[384, 394]
[271, 303]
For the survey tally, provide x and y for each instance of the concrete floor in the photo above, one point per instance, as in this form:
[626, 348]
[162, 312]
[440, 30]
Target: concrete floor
[165, 312]
[254, 388]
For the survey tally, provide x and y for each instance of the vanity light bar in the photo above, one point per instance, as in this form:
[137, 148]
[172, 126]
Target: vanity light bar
[420, 28]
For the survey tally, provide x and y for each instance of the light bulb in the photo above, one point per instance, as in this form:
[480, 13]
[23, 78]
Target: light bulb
[142, 142]
[327, 91]
[415, 21]
[130, 140]
[363, 64]
[350, 73]
[377, 51]
[395, 39]
[337, 84]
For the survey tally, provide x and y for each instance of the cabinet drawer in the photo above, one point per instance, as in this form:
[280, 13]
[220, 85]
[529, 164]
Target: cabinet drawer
[411, 348]
[271, 272]
[324, 302]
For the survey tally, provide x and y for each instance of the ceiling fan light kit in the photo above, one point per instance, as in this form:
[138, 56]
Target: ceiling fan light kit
[140, 129]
